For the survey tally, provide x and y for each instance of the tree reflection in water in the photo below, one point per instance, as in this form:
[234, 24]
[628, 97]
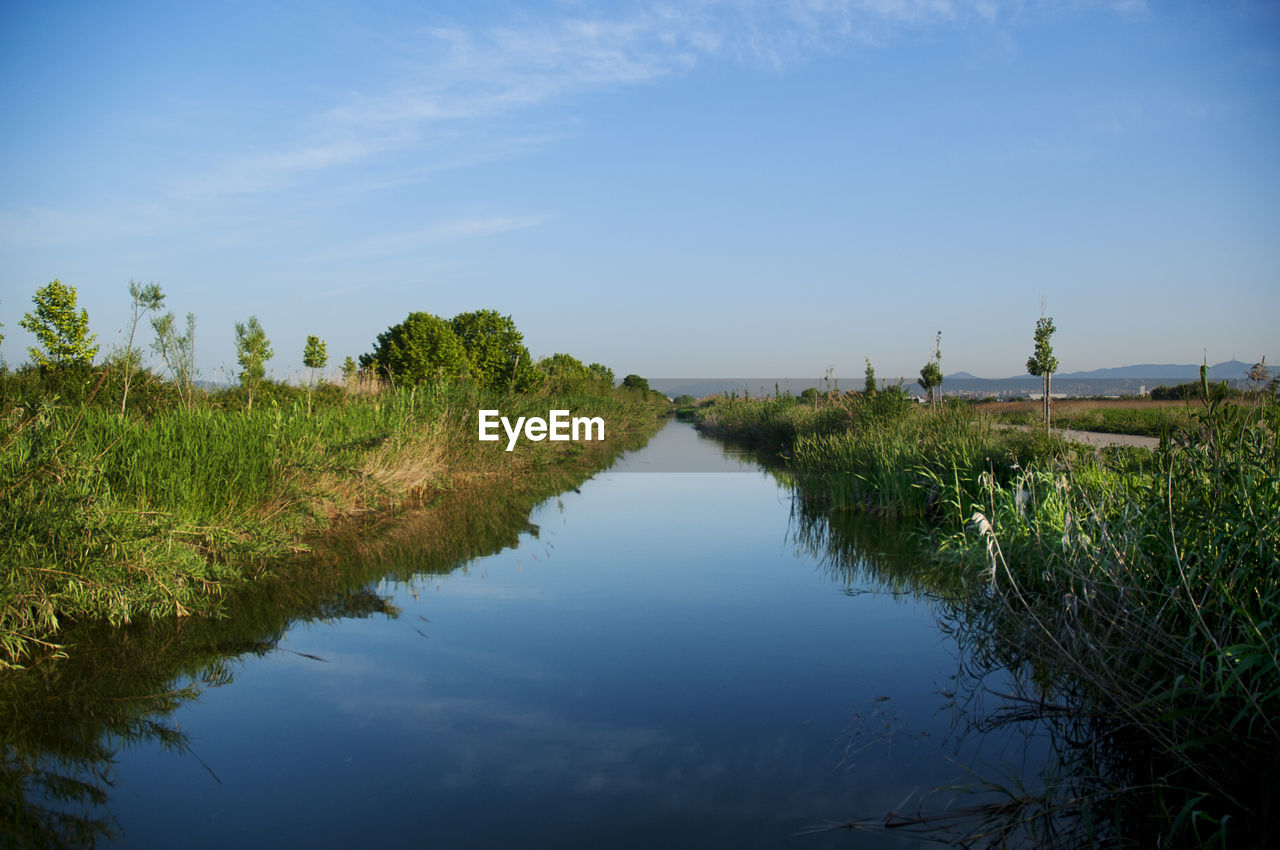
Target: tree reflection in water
[65, 720]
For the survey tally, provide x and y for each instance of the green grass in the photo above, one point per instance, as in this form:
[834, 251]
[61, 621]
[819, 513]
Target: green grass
[112, 518]
[1139, 421]
[881, 454]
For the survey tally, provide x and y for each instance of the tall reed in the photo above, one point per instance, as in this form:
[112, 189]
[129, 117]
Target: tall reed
[1146, 597]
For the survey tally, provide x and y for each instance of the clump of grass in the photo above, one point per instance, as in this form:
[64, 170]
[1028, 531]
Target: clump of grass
[913, 462]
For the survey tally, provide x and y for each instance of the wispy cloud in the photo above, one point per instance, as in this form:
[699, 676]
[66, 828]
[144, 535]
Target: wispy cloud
[461, 94]
[458, 75]
[407, 241]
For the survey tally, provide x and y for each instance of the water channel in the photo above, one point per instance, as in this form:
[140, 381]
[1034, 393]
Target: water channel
[669, 656]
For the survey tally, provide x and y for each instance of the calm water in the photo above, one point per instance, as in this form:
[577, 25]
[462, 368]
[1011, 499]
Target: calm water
[671, 658]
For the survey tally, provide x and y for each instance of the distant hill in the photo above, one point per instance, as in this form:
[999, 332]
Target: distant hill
[1118, 380]
[1230, 370]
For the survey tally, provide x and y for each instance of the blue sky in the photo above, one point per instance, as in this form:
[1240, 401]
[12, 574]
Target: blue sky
[673, 189]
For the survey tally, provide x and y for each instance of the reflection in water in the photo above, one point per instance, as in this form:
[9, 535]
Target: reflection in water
[869, 554]
[1060, 798]
[65, 721]
[651, 666]
[62, 723]
[1092, 769]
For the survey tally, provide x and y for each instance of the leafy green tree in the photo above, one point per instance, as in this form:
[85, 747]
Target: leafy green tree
[635, 382]
[145, 299]
[931, 372]
[494, 348]
[869, 379]
[563, 373]
[314, 357]
[423, 348]
[57, 326]
[178, 351]
[1042, 363]
[348, 369]
[253, 350]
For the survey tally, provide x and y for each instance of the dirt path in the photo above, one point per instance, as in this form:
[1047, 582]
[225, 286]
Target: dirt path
[1100, 439]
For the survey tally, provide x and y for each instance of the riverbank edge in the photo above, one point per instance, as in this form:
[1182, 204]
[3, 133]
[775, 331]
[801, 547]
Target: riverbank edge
[171, 565]
[1148, 576]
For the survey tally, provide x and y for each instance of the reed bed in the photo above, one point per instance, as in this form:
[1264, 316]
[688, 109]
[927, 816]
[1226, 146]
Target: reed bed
[111, 517]
[1135, 593]
[1149, 600]
[882, 454]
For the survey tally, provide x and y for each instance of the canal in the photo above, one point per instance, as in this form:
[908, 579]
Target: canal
[673, 655]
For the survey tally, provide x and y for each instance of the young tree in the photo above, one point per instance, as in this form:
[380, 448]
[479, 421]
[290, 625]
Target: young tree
[869, 379]
[62, 331]
[253, 350]
[1260, 377]
[349, 369]
[314, 356]
[146, 299]
[931, 372]
[178, 351]
[1042, 363]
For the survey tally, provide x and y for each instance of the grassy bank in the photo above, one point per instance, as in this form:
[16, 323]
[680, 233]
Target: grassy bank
[1134, 592]
[160, 512]
[64, 719]
[881, 454]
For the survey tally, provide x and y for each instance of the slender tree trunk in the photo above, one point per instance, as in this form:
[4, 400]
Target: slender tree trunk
[1045, 401]
[128, 363]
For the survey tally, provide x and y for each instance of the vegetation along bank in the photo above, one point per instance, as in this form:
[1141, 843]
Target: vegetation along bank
[126, 493]
[1135, 593]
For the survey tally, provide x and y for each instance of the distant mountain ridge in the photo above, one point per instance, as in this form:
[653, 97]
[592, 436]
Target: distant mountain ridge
[1228, 370]
[1116, 380]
